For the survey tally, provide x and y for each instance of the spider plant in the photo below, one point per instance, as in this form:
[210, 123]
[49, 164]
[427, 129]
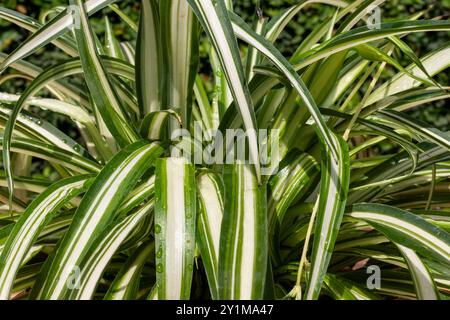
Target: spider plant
[132, 216]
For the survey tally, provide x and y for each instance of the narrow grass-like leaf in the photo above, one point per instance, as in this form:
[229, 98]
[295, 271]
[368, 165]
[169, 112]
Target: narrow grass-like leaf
[359, 14]
[126, 284]
[54, 154]
[100, 85]
[112, 45]
[124, 17]
[94, 214]
[31, 126]
[408, 51]
[216, 22]
[363, 35]
[65, 43]
[279, 22]
[73, 111]
[155, 124]
[179, 40]
[419, 128]
[243, 249]
[372, 53]
[244, 32]
[335, 176]
[175, 219]
[343, 289]
[52, 30]
[299, 172]
[149, 58]
[31, 223]
[423, 281]
[210, 212]
[406, 229]
[102, 251]
[209, 116]
[253, 55]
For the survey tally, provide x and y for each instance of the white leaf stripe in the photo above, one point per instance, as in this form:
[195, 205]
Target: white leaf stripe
[179, 36]
[138, 195]
[253, 56]
[148, 58]
[100, 86]
[282, 184]
[31, 223]
[214, 18]
[50, 78]
[73, 111]
[335, 176]
[245, 33]
[433, 134]
[175, 218]
[423, 281]
[154, 124]
[433, 62]
[103, 250]
[51, 153]
[40, 129]
[65, 43]
[278, 23]
[37, 84]
[32, 71]
[126, 283]
[50, 31]
[286, 185]
[94, 213]
[363, 35]
[8, 132]
[343, 289]
[243, 250]
[406, 229]
[210, 198]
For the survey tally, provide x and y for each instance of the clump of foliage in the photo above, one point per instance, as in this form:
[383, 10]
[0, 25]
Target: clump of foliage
[129, 218]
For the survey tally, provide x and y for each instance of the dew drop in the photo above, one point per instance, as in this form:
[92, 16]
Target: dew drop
[159, 268]
[157, 228]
